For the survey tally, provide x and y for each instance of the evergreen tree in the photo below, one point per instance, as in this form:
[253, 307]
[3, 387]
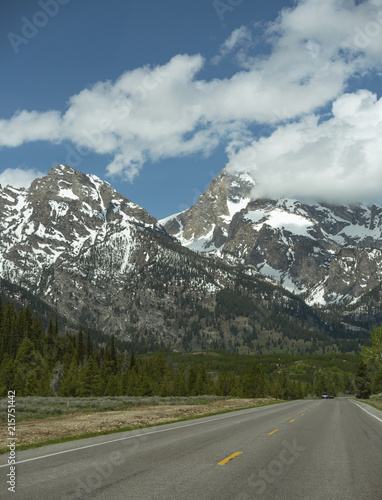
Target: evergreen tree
[49, 336]
[89, 379]
[160, 375]
[31, 374]
[113, 355]
[281, 389]
[20, 329]
[203, 382]
[130, 382]
[37, 335]
[69, 383]
[132, 361]
[109, 367]
[191, 381]
[25, 353]
[7, 375]
[114, 386]
[69, 350]
[227, 384]
[28, 321]
[7, 331]
[362, 382]
[44, 383]
[89, 346]
[80, 346]
[376, 386]
[253, 382]
[180, 384]
[144, 382]
[51, 345]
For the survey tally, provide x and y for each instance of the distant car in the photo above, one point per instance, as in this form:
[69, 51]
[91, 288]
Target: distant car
[325, 395]
[331, 396]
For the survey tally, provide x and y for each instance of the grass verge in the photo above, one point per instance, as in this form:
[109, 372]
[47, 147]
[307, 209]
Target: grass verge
[33, 407]
[374, 403]
[130, 428]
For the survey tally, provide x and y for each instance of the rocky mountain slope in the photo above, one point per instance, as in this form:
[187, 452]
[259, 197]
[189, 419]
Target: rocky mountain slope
[96, 258]
[328, 254]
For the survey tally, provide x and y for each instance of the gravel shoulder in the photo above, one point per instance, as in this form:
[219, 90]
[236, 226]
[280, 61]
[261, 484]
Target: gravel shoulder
[35, 431]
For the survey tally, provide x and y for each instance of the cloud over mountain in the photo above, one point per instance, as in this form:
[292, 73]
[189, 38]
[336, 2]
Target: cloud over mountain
[337, 160]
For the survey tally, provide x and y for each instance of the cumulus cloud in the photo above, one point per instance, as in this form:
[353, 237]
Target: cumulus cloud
[19, 177]
[153, 113]
[27, 126]
[337, 160]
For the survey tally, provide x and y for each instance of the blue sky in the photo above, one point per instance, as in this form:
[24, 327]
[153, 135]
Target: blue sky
[157, 97]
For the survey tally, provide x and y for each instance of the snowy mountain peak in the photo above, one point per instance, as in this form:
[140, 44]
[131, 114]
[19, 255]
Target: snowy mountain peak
[73, 241]
[330, 253]
[204, 227]
[61, 217]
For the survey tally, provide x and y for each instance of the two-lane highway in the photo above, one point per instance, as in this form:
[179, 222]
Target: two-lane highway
[330, 449]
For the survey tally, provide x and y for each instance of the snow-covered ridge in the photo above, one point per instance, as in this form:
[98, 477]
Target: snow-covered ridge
[280, 219]
[202, 226]
[61, 216]
[329, 253]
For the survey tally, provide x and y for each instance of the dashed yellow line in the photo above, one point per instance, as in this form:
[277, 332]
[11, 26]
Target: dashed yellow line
[293, 420]
[273, 432]
[234, 455]
[302, 414]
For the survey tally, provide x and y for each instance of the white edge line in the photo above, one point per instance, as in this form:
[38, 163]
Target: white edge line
[220, 417]
[362, 408]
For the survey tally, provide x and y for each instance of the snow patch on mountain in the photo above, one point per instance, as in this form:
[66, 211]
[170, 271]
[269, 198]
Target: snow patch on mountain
[325, 252]
[279, 219]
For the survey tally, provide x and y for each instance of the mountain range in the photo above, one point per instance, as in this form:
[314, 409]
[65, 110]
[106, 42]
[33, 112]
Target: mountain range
[329, 254]
[232, 272]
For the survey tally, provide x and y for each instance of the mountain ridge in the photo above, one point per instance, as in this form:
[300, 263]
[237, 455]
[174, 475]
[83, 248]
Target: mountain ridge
[290, 241]
[99, 259]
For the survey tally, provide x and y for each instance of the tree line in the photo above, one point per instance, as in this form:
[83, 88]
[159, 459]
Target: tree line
[42, 362]
[368, 377]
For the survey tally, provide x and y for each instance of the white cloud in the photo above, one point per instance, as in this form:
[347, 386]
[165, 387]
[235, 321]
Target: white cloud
[19, 177]
[239, 37]
[27, 126]
[337, 160]
[164, 112]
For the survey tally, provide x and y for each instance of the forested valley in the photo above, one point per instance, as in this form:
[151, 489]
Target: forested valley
[38, 361]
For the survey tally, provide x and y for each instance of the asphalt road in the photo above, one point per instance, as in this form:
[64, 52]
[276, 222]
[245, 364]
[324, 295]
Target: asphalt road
[311, 450]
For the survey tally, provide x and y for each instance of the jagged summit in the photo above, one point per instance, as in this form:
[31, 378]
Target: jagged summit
[204, 226]
[88, 192]
[329, 253]
[62, 217]
[77, 244]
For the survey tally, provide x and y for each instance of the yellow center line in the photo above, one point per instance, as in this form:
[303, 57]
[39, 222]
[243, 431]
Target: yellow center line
[302, 414]
[273, 432]
[293, 420]
[234, 455]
